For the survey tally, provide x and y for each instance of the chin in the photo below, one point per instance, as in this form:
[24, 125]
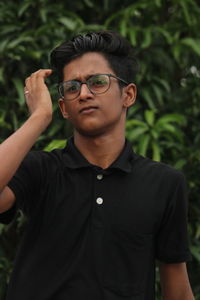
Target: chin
[90, 132]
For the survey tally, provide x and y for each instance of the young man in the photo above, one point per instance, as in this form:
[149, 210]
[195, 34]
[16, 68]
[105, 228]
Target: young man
[99, 215]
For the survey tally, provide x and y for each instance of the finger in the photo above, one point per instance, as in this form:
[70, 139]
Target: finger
[42, 73]
[27, 84]
[26, 92]
[36, 80]
[38, 77]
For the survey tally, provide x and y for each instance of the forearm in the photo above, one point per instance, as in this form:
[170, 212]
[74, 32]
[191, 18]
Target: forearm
[187, 295]
[175, 282]
[14, 149]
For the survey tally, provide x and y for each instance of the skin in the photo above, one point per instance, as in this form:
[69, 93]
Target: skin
[18, 144]
[99, 135]
[174, 282]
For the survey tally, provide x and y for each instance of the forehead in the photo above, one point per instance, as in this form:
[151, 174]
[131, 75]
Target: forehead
[86, 65]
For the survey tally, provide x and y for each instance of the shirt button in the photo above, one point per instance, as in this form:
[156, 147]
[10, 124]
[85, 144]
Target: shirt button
[99, 176]
[99, 201]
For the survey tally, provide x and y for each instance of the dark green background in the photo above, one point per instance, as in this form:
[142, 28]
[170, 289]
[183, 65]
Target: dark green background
[165, 122]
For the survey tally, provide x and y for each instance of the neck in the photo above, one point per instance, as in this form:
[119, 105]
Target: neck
[101, 151]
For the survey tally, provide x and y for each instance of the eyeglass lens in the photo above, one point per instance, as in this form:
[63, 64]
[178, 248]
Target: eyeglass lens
[97, 84]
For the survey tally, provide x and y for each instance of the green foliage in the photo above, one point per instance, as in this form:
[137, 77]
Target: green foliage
[55, 144]
[153, 137]
[164, 124]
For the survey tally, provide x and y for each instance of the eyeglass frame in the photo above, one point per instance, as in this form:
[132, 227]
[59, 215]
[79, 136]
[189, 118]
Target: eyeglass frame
[85, 82]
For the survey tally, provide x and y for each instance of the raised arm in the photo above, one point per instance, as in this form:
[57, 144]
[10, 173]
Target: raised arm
[14, 149]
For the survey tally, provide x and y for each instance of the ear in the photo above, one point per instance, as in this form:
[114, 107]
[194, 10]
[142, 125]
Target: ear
[130, 92]
[63, 109]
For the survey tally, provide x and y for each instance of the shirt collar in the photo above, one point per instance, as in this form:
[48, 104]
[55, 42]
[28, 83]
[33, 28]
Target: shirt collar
[75, 160]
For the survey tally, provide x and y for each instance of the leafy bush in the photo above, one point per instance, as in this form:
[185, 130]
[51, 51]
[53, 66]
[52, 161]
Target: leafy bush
[165, 122]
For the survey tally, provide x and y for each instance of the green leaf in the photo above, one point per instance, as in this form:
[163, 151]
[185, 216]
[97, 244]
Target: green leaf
[168, 118]
[68, 22]
[180, 163]
[23, 8]
[176, 49]
[134, 122]
[156, 151]
[164, 84]
[55, 144]
[150, 116]
[197, 235]
[14, 119]
[172, 130]
[145, 93]
[143, 144]
[168, 127]
[194, 44]
[3, 45]
[2, 226]
[133, 36]
[92, 27]
[89, 3]
[20, 90]
[158, 3]
[135, 133]
[123, 27]
[8, 29]
[22, 39]
[147, 38]
[3, 122]
[154, 133]
[165, 33]
[1, 75]
[186, 13]
[43, 14]
[133, 110]
[79, 21]
[34, 54]
[159, 94]
[195, 252]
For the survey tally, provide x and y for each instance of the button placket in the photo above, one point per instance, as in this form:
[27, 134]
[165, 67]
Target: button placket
[98, 204]
[99, 200]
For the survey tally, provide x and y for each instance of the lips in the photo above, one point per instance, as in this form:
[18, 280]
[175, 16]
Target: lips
[88, 109]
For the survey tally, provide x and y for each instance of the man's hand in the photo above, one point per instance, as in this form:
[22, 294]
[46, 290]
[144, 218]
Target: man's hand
[37, 94]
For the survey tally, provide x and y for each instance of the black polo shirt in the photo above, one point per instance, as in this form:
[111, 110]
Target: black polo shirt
[94, 233]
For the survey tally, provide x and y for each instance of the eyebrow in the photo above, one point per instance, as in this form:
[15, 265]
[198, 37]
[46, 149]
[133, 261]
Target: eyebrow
[86, 78]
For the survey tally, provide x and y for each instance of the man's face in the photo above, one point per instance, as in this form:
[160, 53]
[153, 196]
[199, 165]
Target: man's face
[97, 114]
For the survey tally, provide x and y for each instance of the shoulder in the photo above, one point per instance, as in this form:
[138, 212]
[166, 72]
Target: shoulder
[156, 171]
[43, 159]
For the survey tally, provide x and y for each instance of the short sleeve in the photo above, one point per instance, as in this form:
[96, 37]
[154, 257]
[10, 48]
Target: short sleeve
[26, 185]
[172, 244]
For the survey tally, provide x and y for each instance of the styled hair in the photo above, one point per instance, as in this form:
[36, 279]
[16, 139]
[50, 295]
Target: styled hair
[116, 50]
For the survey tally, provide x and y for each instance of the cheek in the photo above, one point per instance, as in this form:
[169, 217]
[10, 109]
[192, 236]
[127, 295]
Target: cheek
[115, 104]
[70, 107]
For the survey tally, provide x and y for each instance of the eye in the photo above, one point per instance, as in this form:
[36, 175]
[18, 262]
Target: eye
[71, 87]
[98, 81]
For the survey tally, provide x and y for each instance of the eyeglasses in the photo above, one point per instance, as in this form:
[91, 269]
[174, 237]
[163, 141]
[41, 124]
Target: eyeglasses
[97, 84]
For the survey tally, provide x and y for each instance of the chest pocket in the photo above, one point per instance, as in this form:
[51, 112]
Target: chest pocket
[127, 261]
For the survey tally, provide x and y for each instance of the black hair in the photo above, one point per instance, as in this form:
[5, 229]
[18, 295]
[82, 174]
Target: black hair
[116, 50]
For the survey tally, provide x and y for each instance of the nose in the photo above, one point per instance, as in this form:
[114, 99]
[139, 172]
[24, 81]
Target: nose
[85, 93]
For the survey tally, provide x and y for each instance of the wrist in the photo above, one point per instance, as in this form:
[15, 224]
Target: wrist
[42, 117]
